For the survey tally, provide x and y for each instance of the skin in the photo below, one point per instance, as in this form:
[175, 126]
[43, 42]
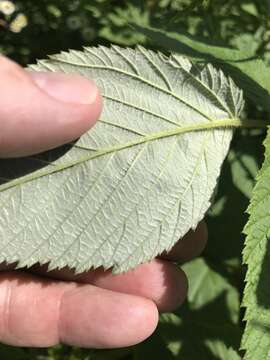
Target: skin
[94, 309]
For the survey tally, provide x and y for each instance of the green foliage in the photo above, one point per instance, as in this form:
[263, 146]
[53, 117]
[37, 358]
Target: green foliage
[247, 70]
[256, 340]
[213, 27]
[209, 294]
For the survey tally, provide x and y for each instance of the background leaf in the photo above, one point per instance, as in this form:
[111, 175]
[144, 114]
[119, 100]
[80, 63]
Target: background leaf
[222, 352]
[256, 340]
[247, 70]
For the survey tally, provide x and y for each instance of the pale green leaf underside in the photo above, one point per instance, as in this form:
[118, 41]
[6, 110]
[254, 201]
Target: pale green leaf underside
[136, 182]
[256, 340]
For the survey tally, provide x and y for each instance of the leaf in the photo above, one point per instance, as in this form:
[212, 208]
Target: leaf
[134, 184]
[221, 352]
[244, 170]
[248, 71]
[206, 285]
[256, 340]
[115, 27]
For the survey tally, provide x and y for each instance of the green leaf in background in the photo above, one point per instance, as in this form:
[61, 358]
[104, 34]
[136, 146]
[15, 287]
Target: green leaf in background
[115, 27]
[256, 339]
[135, 183]
[248, 71]
[221, 352]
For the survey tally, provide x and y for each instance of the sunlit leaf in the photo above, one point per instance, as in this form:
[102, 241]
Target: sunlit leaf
[138, 181]
[256, 339]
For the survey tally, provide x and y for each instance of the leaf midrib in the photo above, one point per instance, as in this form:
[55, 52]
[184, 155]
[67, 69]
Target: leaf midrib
[227, 123]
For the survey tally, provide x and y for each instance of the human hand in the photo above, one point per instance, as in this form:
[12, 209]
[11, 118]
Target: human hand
[39, 111]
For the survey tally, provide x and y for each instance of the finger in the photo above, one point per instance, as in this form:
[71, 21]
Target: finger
[160, 281]
[39, 111]
[190, 246]
[43, 313]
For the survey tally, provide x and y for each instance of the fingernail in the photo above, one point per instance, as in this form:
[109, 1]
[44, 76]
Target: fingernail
[66, 88]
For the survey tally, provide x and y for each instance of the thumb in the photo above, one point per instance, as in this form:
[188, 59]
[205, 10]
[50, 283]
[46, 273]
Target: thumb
[39, 111]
